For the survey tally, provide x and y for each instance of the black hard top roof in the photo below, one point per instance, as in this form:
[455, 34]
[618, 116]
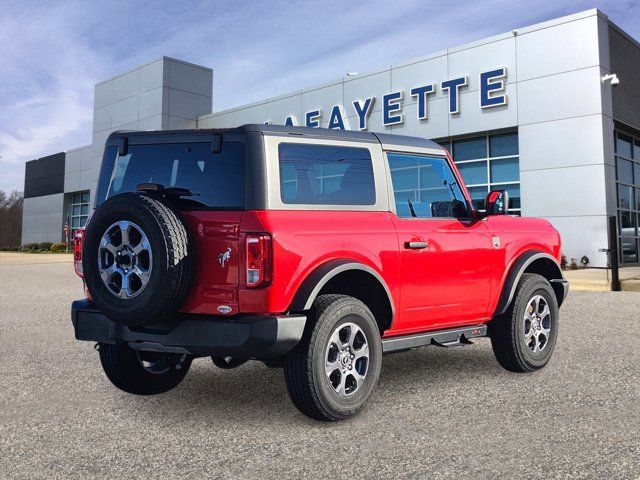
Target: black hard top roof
[329, 134]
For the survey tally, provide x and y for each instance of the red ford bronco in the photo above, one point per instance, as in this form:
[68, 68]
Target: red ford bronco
[309, 249]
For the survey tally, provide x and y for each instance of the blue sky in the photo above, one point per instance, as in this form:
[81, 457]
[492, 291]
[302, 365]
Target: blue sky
[53, 53]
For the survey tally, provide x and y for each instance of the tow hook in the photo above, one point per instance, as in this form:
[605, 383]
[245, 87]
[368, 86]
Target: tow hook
[183, 357]
[96, 347]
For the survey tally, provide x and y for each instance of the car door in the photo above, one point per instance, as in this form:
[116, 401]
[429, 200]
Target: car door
[444, 254]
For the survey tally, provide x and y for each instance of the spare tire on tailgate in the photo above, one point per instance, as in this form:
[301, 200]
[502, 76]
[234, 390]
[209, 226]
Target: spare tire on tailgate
[137, 259]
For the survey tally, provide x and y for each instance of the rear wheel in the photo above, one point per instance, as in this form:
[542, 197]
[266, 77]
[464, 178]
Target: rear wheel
[143, 373]
[524, 337]
[334, 369]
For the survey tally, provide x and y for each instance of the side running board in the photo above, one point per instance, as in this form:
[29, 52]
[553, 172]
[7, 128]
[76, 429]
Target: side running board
[456, 337]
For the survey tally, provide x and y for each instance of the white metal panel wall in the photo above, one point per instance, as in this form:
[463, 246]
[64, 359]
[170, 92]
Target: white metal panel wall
[561, 117]
[42, 219]
[80, 169]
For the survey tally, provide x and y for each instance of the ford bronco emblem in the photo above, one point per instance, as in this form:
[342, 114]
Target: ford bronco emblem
[224, 256]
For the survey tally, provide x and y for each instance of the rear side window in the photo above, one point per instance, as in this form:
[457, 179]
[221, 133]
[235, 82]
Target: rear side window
[325, 175]
[216, 178]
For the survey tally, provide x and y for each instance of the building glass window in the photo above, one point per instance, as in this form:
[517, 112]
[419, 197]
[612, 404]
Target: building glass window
[488, 162]
[471, 148]
[79, 211]
[628, 195]
[624, 145]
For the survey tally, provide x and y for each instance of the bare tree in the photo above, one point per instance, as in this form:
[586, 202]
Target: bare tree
[10, 218]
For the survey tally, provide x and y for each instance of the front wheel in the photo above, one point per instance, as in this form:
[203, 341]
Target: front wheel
[334, 369]
[524, 337]
[143, 373]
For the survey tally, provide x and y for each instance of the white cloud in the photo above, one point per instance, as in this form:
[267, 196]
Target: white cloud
[63, 115]
[46, 105]
[52, 54]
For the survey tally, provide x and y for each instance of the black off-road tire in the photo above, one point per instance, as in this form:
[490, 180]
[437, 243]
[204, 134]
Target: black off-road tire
[124, 368]
[507, 331]
[304, 369]
[173, 259]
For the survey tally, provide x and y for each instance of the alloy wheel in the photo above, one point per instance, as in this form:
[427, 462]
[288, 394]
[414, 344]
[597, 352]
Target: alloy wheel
[347, 359]
[124, 259]
[537, 324]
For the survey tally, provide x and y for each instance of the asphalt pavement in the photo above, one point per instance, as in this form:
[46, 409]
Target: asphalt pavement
[437, 413]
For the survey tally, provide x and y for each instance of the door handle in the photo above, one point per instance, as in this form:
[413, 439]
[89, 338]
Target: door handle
[416, 245]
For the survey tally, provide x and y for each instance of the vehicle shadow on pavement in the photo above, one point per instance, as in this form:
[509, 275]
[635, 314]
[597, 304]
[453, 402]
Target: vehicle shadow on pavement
[423, 366]
[259, 394]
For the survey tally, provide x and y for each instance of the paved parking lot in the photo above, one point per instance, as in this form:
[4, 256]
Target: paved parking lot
[437, 413]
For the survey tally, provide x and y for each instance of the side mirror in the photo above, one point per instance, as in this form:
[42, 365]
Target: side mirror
[497, 202]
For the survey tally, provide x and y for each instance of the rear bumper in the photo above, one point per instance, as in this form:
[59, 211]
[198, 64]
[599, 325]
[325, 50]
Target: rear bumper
[254, 336]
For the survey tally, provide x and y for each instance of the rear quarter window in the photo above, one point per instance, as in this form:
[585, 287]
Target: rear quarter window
[325, 175]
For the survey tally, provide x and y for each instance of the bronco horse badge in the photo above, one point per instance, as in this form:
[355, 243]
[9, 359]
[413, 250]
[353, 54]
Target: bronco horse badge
[224, 256]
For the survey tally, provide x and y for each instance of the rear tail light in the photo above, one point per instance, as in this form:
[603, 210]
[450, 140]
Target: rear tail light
[78, 239]
[258, 258]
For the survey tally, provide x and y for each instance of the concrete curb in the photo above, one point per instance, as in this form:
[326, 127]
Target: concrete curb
[595, 280]
[19, 258]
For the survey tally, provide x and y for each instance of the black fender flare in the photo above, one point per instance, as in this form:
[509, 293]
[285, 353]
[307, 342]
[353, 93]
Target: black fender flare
[318, 278]
[516, 271]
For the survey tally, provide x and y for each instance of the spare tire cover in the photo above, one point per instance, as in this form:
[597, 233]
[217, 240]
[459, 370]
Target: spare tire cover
[137, 259]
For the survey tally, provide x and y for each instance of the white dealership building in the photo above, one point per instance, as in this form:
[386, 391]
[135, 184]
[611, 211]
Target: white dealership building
[536, 111]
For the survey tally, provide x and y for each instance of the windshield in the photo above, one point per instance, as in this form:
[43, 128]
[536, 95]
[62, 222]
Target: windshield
[215, 179]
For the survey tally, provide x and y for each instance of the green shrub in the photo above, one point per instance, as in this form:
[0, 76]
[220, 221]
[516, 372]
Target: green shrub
[45, 246]
[42, 247]
[59, 247]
